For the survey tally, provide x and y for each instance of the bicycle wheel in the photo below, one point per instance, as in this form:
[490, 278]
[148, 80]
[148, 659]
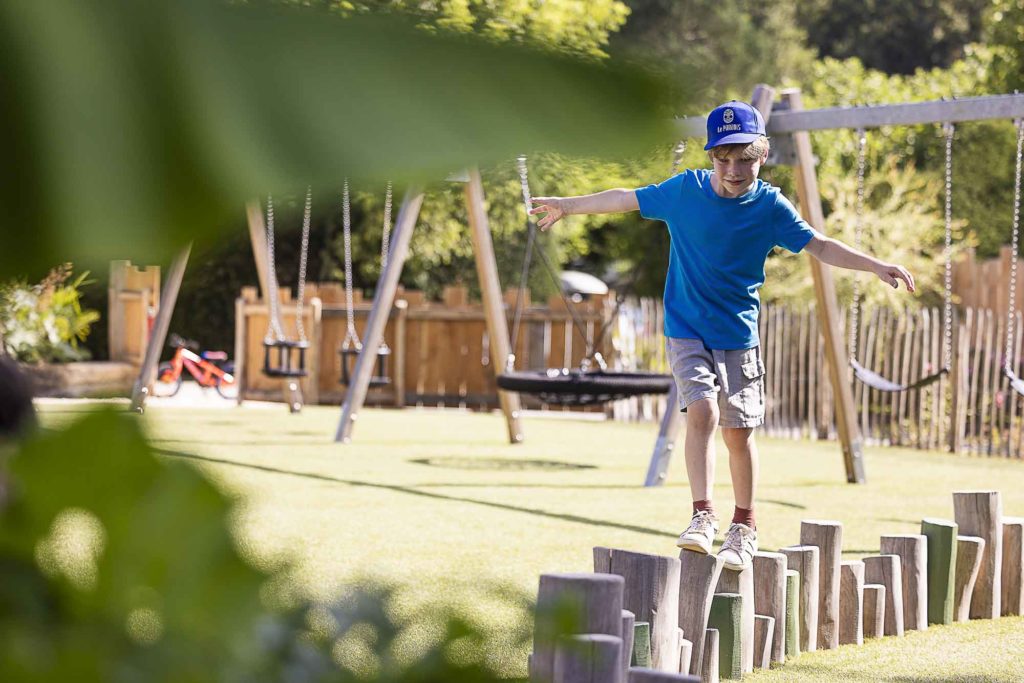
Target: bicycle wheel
[167, 383]
[227, 389]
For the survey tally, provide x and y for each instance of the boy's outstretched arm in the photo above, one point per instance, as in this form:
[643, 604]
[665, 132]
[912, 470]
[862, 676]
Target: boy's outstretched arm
[835, 253]
[609, 201]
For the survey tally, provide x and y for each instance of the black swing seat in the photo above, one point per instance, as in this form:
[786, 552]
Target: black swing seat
[289, 359]
[1016, 383]
[565, 387]
[876, 381]
[348, 359]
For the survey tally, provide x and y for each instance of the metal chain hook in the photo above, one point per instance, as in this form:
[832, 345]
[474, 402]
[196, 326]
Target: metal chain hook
[351, 337]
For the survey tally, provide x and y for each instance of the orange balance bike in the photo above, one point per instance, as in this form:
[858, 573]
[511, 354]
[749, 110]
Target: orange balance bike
[209, 368]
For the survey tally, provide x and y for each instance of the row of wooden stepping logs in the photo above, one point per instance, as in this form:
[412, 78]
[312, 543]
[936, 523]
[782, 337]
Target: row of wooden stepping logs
[646, 618]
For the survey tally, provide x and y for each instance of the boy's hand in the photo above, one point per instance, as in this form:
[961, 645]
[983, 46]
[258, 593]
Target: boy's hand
[553, 208]
[892, 274]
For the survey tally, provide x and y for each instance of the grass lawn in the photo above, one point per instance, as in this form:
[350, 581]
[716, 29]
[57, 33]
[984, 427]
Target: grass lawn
[440, 503]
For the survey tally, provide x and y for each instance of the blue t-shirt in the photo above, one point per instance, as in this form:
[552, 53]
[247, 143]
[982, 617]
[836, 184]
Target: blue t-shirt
[716, 261]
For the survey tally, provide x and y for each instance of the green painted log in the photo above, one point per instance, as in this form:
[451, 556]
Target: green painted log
[727, 617]
[792, 613]
[941, 536]
[641, 644]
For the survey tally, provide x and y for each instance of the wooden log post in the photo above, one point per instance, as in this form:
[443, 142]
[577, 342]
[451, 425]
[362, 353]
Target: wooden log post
[628, 626]
[588, 658]
[980, 513]
[764, 631]
[742, 584]
[913, 552]
[709, 658]
[828, 537]
[685, 653]
[590, 603]
[641, 644]
[1012, 600]
[804, 559]
[770, 597]
[874, 610]
[602, 560]
[727, 618]
[637, 675]
[651, 592]
[851, 603]
[969, 552]
[941, 535]
[698, 577]
[792, 613]
[887, 571]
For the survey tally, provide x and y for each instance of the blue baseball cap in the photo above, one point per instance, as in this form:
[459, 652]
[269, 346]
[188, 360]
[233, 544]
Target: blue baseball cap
[734, 123]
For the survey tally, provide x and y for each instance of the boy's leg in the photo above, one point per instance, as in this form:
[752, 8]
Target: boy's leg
[701, 422]
[693, 369]
[743, 465]
[742, 411]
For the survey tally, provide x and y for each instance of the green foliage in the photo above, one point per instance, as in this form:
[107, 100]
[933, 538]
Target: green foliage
[732, 44]
[893, 36]
[983, 152]
[1004, 34]
[139, 126]
[45, 322]
[137, 576]
[902, 223]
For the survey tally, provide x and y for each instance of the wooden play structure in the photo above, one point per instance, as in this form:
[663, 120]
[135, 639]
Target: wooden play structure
[133, 299]
[642, 617]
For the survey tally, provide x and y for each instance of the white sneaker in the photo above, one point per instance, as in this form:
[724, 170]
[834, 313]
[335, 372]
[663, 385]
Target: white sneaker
[738, 548]
[700, 534]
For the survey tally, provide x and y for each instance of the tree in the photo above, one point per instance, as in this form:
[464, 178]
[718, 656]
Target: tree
[894, 36]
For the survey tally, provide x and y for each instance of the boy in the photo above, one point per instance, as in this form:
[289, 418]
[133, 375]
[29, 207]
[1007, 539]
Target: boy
[723, 224]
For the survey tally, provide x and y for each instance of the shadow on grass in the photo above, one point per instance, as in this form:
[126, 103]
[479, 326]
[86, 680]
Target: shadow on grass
[425, 494]
[501, 464]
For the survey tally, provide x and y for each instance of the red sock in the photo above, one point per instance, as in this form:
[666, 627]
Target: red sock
[703, 506]
[743, 516]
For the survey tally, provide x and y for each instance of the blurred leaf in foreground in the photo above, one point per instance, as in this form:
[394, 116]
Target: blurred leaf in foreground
[131, 127]
[117, 566]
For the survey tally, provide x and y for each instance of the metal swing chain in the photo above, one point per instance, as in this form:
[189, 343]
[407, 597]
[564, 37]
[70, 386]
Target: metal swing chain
[300, 288]
[677, 156]
[274, 332]
[351, 337]
[858, 232]
[1019, 123]
[527, 258]
[385, 243]
[589, 353]
[385, 247]
[947, 306]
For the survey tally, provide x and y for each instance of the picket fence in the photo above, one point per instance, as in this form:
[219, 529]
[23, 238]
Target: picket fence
[973, 409]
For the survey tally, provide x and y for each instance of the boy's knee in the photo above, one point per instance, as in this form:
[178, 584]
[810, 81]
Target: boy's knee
[702, 415]
[737, 438]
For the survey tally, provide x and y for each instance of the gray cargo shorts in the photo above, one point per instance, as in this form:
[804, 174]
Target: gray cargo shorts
[734, 378]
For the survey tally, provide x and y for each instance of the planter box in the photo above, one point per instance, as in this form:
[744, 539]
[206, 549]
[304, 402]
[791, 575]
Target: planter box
[92, 379]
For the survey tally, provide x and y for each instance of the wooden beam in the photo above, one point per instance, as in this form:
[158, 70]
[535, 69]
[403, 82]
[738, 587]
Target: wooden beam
[828, 309]
[490, 293]
[383, 298]
[147, 373]
[258, 239]
[873, 116]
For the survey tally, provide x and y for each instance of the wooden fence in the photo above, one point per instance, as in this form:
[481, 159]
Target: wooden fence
[973, 409]
[441, 354]
[985, 284]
